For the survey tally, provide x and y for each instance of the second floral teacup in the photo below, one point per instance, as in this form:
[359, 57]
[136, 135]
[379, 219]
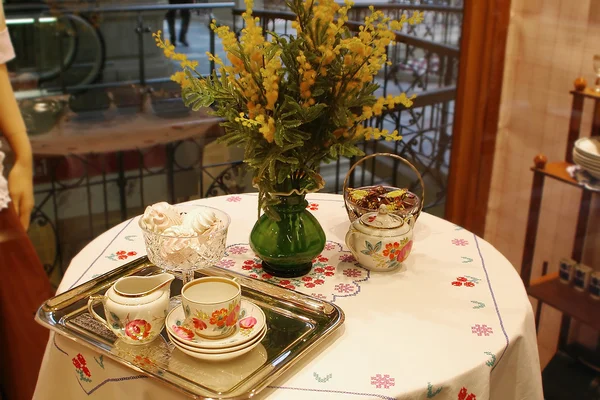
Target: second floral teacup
[211, 306]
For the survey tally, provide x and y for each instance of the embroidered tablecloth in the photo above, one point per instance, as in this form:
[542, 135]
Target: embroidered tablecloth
[454, 322]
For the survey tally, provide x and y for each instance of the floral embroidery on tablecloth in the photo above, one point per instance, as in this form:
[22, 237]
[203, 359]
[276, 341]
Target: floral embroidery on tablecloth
[465, 395]
[81, 368]
[329, 246]
[335, 272]
[432, 393]
[320, 379]
[234, 199]
[492, 360]
[460, 242]
[121, 255]
[100, 361]
[478, 304]
[348, 258]
[237, 250]
[226, 263]
[383, 381]
[313, 206]
[352, 272]
[467, 281]
[481, 330]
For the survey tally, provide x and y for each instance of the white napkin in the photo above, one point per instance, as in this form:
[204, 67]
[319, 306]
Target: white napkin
[584, 178]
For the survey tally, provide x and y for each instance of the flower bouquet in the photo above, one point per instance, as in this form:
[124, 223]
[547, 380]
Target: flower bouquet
[294, 101]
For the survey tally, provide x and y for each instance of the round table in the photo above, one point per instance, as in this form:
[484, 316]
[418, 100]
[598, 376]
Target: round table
[453, 322]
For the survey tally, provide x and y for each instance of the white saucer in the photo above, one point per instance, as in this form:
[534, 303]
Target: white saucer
[224, 350]
[224, 356]
[251, 322]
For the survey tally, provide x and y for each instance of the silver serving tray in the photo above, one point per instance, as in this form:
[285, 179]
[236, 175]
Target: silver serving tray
[296, 324]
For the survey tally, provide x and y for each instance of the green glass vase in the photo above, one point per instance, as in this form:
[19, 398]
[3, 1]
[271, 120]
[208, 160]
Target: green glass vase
[288, 246]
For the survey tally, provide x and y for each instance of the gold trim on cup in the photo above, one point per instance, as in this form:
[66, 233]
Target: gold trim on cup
[211, 279]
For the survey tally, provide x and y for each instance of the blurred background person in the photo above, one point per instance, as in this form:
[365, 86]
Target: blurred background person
[185, 22]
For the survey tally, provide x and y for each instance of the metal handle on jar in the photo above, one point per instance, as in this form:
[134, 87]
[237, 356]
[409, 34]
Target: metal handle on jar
[96, 298]
[405, 161]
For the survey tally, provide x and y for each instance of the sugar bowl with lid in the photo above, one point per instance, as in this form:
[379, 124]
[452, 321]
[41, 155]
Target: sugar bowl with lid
[381, 241]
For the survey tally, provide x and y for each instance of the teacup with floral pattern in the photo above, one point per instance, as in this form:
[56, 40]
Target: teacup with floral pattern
[211, 306]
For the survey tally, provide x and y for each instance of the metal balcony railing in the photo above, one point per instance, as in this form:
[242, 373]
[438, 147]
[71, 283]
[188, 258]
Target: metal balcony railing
[69, 31]
[111, 187]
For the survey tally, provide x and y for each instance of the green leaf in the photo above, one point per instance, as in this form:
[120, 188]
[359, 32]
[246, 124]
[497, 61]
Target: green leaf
[318, 92]
[283, 173]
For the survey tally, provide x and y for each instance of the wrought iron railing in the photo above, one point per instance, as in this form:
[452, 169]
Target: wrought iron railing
[103, 190]
[96, 182]
[426, 128]
[441, 24]
[419, 65]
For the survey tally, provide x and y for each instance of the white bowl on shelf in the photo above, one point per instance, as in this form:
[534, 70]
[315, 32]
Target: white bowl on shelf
[588, 147]
[585, 162]
[592, 169]
[584, 156]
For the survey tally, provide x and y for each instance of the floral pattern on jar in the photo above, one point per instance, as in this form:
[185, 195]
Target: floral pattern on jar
[137, 329]
[391, 256]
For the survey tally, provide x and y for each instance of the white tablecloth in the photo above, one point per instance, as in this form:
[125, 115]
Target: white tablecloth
[454, 322]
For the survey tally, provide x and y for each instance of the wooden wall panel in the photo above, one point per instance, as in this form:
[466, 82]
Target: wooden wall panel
[483, 43]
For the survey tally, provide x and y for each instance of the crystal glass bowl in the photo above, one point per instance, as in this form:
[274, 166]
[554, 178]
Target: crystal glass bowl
[187, 254]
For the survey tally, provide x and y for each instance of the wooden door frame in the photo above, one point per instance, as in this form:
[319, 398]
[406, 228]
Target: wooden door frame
[479, 89]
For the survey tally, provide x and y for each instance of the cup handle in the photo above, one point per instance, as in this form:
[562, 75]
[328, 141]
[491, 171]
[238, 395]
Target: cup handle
[348, 241]
[96, 298]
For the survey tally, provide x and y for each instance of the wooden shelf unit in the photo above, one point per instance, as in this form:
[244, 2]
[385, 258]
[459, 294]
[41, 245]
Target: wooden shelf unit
[548, 289]
[561, 296]
[558, 171]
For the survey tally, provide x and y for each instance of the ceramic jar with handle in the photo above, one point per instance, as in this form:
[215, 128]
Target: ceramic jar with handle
[135, 307]
[381, 241]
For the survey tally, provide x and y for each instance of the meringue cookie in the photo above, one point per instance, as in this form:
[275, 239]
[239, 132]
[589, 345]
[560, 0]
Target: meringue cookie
[179, 247]
[159, 217]
[202, 222]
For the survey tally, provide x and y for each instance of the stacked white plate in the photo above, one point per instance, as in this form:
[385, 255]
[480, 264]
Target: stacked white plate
[249, 332]
[586, 154]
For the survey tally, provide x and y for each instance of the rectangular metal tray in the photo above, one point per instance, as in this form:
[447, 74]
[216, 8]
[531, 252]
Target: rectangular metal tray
[296, 324]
